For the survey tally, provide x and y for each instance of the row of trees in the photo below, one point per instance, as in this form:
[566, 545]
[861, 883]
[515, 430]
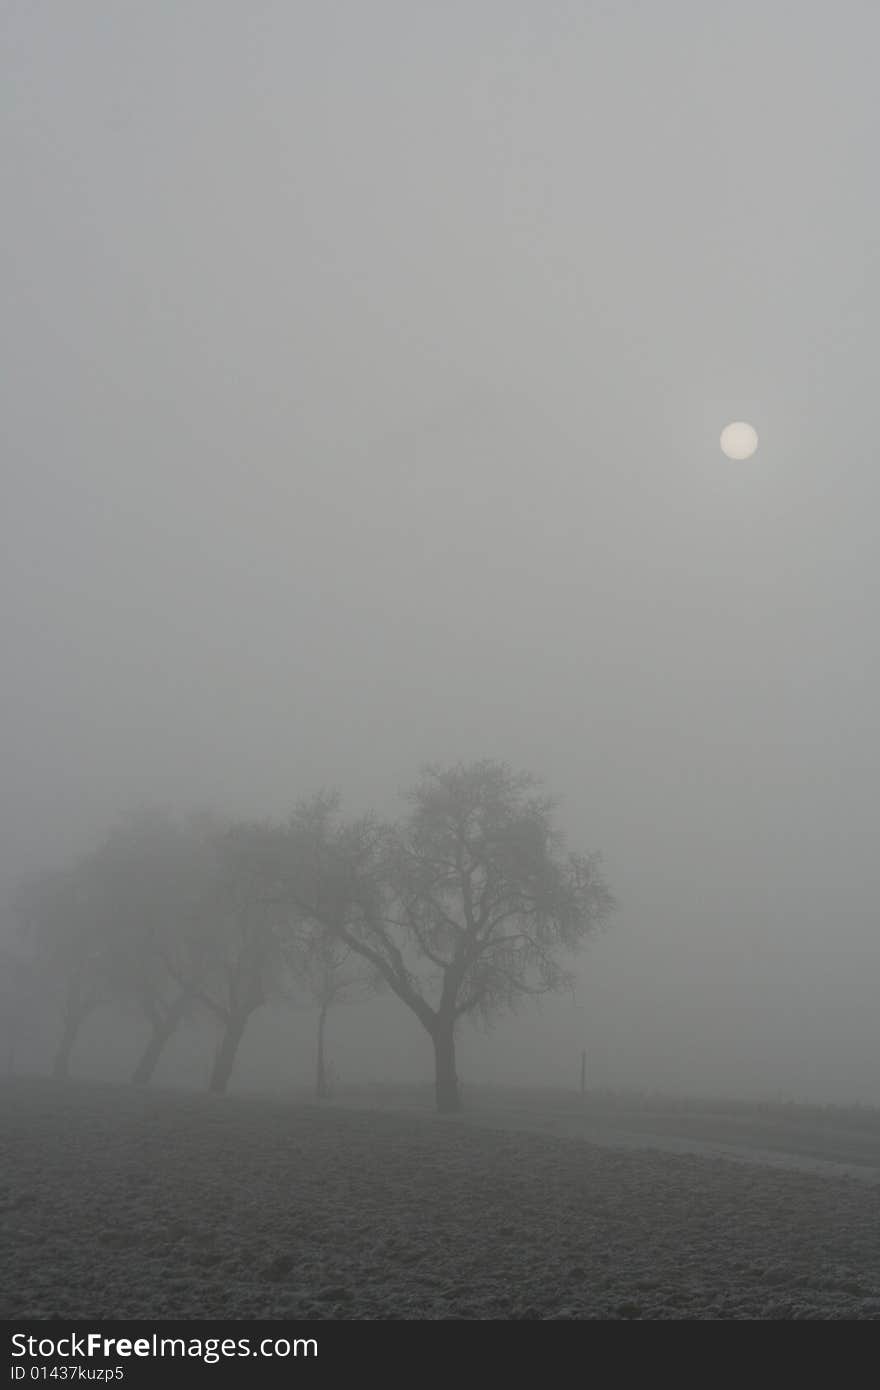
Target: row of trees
[463, 908]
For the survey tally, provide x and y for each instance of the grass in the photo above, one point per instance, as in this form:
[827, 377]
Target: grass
[118, 1204]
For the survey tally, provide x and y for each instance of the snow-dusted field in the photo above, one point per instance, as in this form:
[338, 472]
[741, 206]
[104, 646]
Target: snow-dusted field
[116, 1204]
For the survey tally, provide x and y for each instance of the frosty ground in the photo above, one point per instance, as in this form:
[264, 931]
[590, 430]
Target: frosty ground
[120, 1204]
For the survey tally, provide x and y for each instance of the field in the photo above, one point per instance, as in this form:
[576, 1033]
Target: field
[118, 1204]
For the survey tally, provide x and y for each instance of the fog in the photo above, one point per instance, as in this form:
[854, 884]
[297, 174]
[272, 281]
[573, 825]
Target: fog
[363, 373]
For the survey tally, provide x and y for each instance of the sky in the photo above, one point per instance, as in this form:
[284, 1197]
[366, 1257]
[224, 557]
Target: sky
[363, 372]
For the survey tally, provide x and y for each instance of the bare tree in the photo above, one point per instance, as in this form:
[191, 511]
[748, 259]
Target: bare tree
[466, 908]
[250, 920]
[331, 973]
[61, 927]
[155, 879]
[19, 998]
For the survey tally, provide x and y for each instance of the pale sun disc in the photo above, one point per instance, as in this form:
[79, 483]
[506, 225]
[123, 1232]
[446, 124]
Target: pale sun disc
[739, 440]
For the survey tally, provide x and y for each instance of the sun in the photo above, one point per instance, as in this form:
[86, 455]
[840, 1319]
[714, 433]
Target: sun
[739, 440]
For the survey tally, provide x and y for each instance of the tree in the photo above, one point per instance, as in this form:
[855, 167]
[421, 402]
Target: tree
[154, 878]
[250, 920]
[327, 969]
[61, 928]
[19, 997]
[466, 908]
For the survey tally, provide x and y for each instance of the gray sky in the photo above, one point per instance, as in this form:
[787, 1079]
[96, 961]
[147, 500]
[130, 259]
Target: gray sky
[363, 371]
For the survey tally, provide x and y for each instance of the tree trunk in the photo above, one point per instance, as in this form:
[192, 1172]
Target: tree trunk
[159, 1038]
[445, 1079]
[322, 1089]
[224, 1059]
[61, 1064]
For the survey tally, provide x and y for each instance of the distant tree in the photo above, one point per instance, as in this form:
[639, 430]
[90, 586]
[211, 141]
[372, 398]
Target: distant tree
[61, 930]
[251, 914]
[19, 999]
[154, 880]
[330, 973]
[466, 908]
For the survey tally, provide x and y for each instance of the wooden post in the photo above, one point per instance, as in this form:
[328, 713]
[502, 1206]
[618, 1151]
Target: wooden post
[584, 1075]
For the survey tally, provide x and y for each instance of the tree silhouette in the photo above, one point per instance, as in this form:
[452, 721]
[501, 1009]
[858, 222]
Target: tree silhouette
[61, 928]
[154, 878]
[251, 914]
[330, 972]
[470, 905]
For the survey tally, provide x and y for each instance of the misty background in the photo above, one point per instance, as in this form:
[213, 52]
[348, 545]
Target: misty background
[363, 372]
